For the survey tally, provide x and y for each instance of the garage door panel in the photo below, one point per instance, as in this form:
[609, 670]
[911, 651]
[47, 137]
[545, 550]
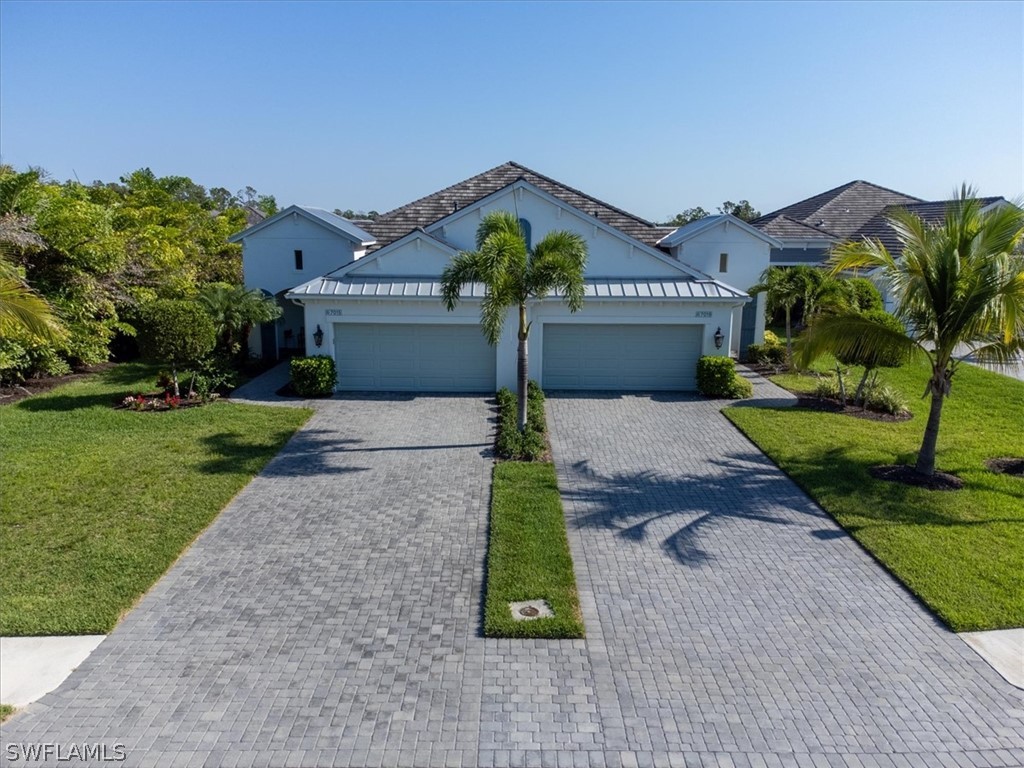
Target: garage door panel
[417, 358]
[621, 357]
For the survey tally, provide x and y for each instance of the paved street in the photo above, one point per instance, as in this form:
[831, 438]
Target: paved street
[331, 616]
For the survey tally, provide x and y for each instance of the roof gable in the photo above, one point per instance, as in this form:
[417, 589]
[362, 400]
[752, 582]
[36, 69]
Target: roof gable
[694, 228]
[427, 210]
[320, 216]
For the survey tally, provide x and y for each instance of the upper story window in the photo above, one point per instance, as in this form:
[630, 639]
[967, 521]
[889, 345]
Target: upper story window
[298, 261]
[527, 232]
[723, 262]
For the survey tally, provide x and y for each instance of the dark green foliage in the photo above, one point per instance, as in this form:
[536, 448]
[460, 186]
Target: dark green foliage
[766, 354]
[716, 377]
[314, 376]
[176, 332]
[528, 554]
[873, 356]
[530, 444]
[215, 374]
[866, 297]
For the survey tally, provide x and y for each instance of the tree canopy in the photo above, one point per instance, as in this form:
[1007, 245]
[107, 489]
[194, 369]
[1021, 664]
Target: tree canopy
[741, 210]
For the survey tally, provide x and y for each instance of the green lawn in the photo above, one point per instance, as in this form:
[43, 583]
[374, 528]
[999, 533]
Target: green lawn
[961, 552]
[528, 555]
[98, 503]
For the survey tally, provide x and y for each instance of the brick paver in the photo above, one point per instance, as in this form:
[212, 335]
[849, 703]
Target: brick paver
[331, 616]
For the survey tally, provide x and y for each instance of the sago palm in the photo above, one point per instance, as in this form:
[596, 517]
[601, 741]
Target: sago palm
[961, 283]
[515, 274]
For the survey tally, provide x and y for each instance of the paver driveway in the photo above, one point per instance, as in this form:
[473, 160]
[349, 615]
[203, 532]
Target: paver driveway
[331, 616]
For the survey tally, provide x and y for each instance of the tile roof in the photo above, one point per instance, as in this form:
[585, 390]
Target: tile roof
[932, 213]
[395, 224]
[786, 227]
[841, 211]
[430, 287]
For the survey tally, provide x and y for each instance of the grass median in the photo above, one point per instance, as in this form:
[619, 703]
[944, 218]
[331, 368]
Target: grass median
[97, 503]
[961, 552]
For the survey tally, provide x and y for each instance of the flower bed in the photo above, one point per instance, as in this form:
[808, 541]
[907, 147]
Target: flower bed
[162, 401]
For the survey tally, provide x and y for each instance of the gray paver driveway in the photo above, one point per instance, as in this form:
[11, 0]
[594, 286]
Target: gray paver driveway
[330, 616]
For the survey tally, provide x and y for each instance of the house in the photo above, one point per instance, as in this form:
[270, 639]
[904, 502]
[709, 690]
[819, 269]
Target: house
[368, 293]
[808, 229]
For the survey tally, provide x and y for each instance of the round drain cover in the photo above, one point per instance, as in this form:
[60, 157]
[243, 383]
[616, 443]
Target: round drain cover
[528, 610]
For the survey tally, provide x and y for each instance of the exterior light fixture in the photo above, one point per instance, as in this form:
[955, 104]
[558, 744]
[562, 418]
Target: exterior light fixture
[318, 336]
[719, 337]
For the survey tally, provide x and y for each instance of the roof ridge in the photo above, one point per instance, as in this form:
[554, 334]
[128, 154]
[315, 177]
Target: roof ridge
[439, 192]
[834, 192]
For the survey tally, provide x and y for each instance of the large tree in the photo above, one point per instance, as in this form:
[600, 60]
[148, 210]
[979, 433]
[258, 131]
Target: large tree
[515, 274]
[959, 283]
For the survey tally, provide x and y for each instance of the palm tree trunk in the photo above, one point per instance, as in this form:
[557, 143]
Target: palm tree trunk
[789, 339]
[926, 456]
[860, 387]
[522, 367]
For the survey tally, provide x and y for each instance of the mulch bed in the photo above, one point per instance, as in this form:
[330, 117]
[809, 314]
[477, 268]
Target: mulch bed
[901, 473]
[834, 406]
[1007, 465]
[30, 387]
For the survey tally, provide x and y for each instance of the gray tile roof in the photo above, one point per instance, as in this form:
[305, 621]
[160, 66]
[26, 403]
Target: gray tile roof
[395, 224]
[931, 213]
[786, 228]
[598, 288]
[841, 211]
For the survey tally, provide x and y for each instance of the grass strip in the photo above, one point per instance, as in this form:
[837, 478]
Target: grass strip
[97, 503]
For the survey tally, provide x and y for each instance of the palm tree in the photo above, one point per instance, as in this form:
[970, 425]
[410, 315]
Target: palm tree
[513, 274]
[958, 283]
[783, 287]
[23, 310]
[234, 311]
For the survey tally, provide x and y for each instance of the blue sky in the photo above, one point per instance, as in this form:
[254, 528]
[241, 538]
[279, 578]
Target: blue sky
[653, 107]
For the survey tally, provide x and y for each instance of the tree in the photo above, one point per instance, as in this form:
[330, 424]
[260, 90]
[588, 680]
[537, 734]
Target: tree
[876, 356]
[514, 274]
[177, 332]
[234, 311]
[783, 288]
[741, 210]
[959, 283]
[352, 215]
[687, 216]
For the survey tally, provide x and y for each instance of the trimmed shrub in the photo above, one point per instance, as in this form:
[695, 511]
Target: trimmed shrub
[716, 377]
[771, 339]
[511, 443]
[314, 376]
[866, 296]
[766, 354]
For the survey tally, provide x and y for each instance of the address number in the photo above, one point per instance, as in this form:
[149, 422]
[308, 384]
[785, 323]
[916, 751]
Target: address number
[703, 313]
[333, 313]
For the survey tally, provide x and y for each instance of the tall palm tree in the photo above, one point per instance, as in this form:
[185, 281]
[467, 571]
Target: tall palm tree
[958, 283]
[514, 274]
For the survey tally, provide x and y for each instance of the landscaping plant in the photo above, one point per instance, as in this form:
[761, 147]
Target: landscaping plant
[176, 332]
[314, 376]
[717, 377]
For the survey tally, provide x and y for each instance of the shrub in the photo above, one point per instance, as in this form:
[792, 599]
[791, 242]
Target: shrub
[716, 377]
[827, 387]
[766, 354]
[886, 400]
[25, 358]
[771, 339]
[511, 443]
[314, 376]
[176, 332]
[866, 297]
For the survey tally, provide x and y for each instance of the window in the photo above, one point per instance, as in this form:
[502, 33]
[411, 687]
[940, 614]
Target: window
[723, 262]
[298, 261]
[527, 232]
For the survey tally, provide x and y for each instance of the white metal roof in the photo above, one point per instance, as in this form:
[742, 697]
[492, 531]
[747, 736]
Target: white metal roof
[430, 288]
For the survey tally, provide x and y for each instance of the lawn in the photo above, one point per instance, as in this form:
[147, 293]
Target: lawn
[528, 554]
[961, 552]
[98, 503]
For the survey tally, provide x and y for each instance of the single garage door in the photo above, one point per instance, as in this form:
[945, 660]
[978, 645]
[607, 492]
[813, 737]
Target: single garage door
[621, 357]
[413, 358]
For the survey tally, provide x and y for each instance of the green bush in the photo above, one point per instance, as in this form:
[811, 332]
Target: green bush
[827, 387]
[513, 444]
[26, 358]
[886, 400]
[314, 376]
[716, 377]
[866, 297]
[771, 339]
[766, 354]
[176, 332]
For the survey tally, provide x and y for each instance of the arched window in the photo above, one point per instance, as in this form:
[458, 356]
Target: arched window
[527, 232]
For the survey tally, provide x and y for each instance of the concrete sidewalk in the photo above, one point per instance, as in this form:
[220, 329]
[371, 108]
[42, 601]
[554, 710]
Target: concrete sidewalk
[31, 667]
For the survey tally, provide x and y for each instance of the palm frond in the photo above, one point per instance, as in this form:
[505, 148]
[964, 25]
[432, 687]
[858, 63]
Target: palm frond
[464, 268]
[849, 335]
[22, 309]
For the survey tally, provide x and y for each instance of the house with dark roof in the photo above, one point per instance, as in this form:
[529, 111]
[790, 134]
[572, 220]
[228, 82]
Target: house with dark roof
[368, 293]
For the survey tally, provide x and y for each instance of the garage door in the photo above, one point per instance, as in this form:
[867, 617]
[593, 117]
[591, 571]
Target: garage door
[626, 357]
[413, 358]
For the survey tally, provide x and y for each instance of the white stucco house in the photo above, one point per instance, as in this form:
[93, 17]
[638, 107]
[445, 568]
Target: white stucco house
[368, 293]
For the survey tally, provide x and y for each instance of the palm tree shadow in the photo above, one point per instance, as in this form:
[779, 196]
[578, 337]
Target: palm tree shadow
[742, 488]
[309, 453]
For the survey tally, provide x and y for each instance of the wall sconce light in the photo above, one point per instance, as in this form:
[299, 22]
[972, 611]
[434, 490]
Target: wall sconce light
[719, 337]
[318, 336]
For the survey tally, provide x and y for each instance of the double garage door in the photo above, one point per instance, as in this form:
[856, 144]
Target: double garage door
[413, 358]
[621, 357]
[457, 358]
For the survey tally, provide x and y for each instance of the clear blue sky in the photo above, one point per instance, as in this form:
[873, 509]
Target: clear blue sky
[653, 107]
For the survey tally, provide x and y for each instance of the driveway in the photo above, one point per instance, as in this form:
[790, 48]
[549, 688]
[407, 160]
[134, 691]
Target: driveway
[331, 616]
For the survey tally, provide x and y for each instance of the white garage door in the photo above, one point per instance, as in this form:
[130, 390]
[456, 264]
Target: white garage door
[626, 357]
[413, 358]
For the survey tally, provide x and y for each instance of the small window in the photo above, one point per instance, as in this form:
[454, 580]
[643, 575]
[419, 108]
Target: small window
[723, 262]
[527, 232]
[298, 261]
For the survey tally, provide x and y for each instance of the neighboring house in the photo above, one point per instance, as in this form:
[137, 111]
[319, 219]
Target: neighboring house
[656, 297]
[808, 229]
